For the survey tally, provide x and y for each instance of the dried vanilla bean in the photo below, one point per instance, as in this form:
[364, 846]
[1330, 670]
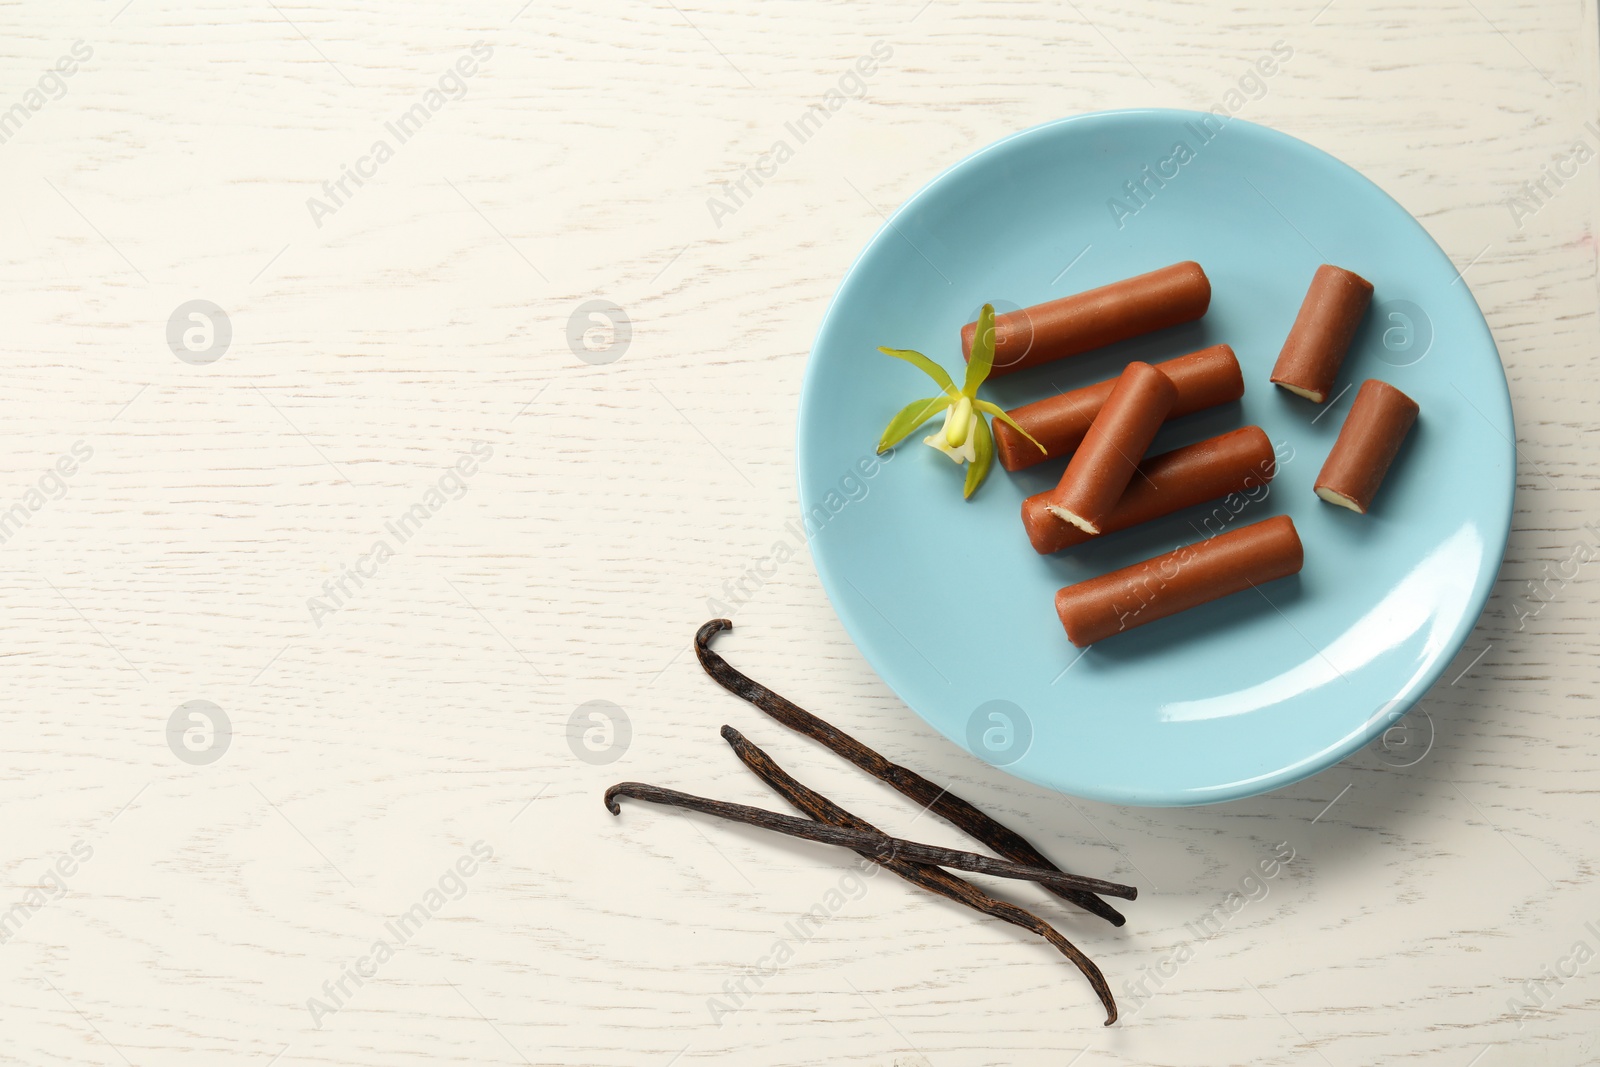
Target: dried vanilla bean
[963, 815]
[873, 843]
[933, 879]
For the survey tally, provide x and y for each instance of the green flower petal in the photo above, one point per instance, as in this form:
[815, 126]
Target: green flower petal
[980, 359]
[1000, 413]
[926, 365]
[910, 417]
[978, 469]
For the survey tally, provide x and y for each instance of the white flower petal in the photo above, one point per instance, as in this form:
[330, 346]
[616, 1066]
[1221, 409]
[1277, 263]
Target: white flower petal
[967, 453]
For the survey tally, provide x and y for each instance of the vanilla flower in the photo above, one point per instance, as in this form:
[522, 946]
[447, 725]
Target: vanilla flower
[965, 436]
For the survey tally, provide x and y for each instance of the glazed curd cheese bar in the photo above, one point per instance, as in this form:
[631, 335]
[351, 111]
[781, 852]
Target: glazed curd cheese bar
[1204, 379]
[1110, 453]
[1084, 321]
[1176, 581]
[1235, 462]
[1371, 435]
[1309, 362]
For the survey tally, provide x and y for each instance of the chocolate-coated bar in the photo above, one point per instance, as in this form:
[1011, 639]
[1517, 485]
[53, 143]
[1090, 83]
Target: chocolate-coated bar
[1110, 453]
[1084, 321]
[1178, 580]
[1371, 435]
[1204, 379]
[1239, 461]
[1322, 332]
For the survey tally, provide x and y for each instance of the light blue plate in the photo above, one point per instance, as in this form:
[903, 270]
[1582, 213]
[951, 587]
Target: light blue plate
[952, 607]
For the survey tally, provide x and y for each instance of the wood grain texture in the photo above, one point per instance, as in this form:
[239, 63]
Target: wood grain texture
[372, 746]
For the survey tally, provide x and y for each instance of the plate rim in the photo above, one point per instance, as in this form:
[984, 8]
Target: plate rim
[1313, 763]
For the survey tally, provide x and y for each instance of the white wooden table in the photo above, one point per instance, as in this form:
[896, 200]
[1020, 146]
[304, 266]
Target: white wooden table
[390, 852]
